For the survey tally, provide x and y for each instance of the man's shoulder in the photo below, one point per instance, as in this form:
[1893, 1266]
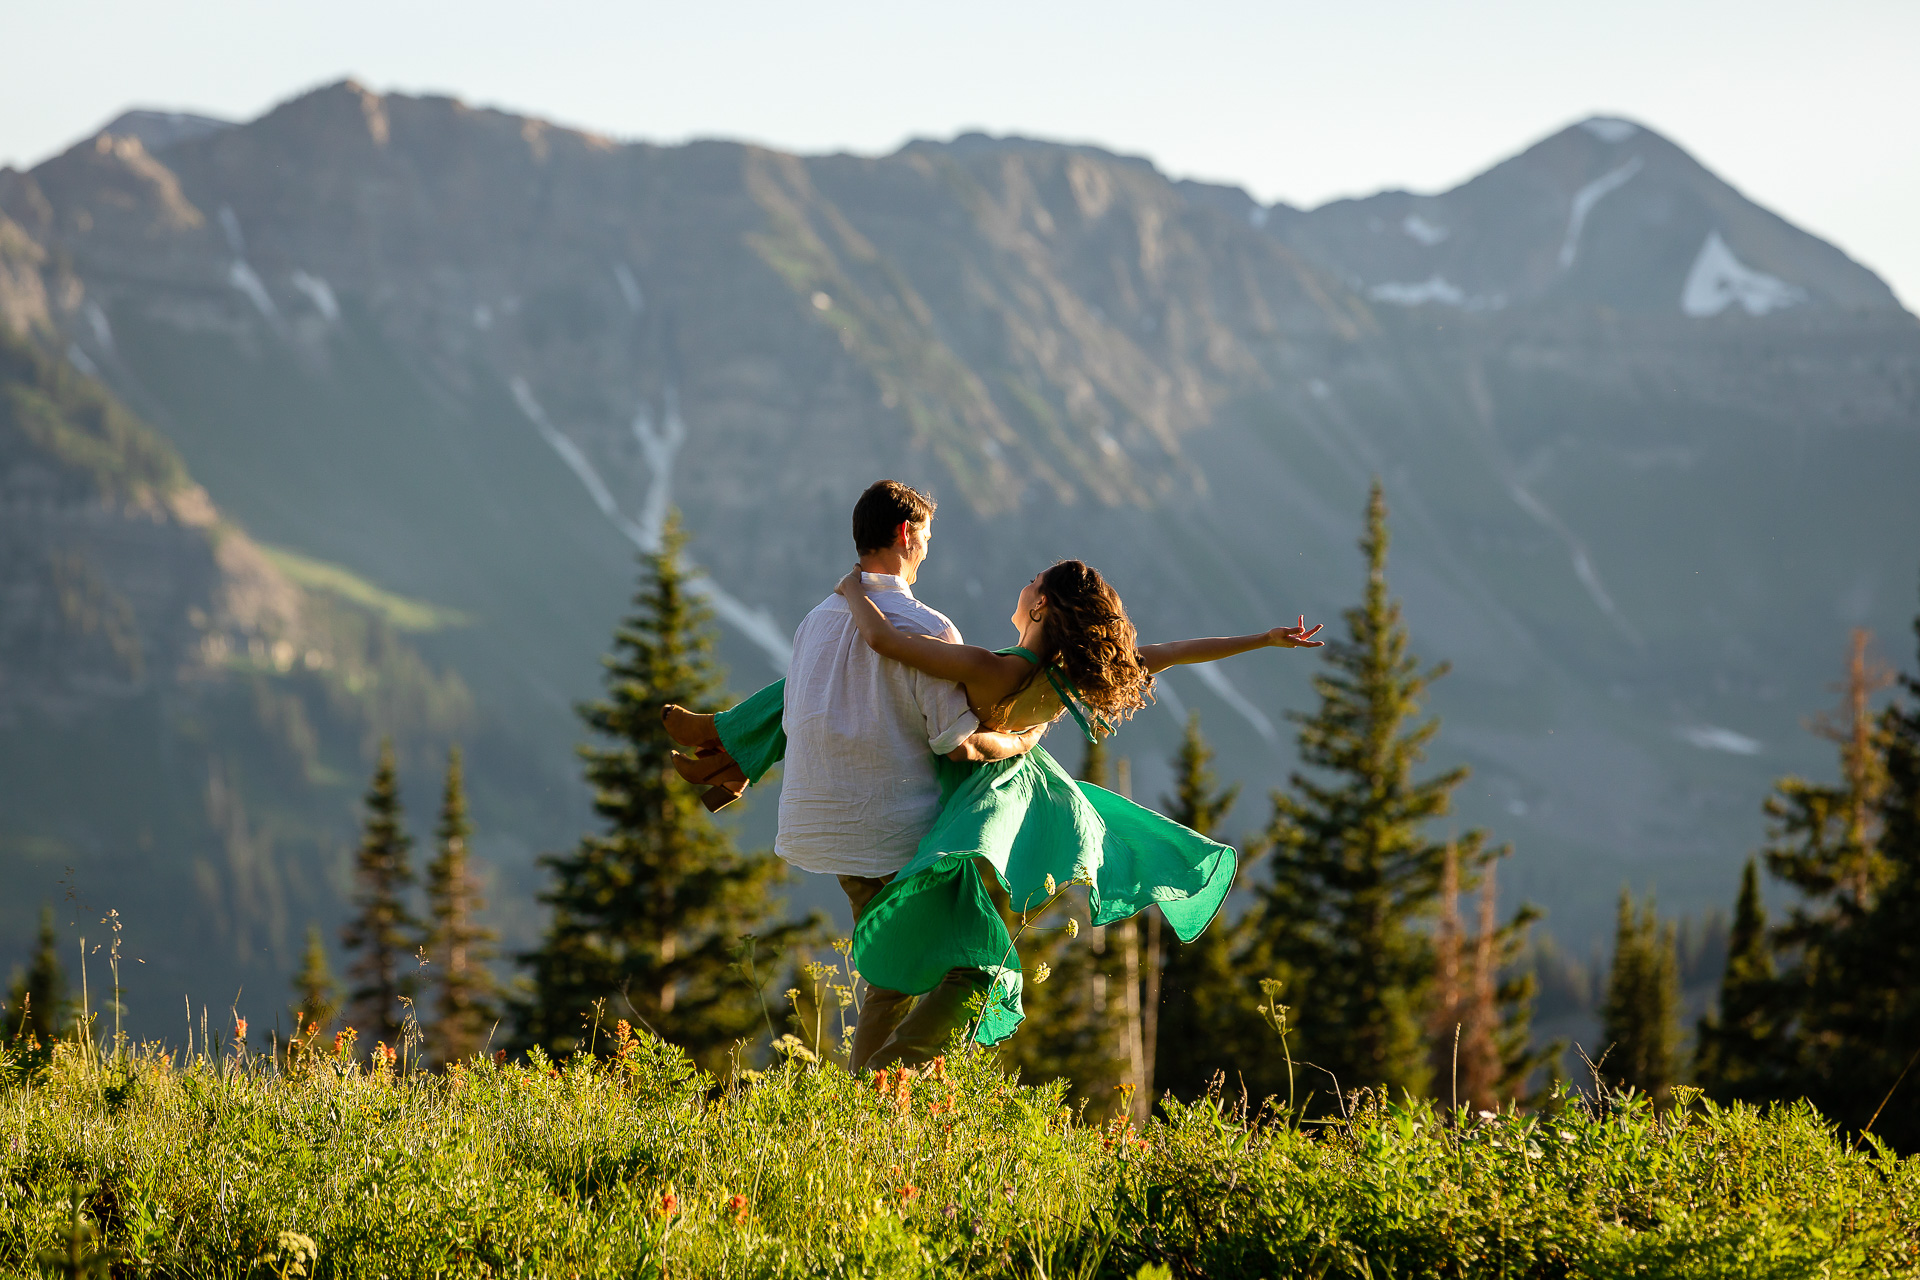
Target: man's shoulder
[924, 617]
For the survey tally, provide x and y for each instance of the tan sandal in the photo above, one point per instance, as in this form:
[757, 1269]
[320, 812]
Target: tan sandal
[690, 728]
[725, 781]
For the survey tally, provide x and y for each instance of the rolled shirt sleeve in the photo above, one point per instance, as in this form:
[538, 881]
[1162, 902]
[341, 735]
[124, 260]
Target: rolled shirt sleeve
[950, 721]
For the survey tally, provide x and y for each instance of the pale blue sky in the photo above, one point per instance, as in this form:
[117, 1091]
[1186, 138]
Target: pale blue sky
[1812, 109]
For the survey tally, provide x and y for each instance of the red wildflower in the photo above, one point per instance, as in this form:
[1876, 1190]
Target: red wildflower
[738, 1208]
[240, 1028]
[669, 1204]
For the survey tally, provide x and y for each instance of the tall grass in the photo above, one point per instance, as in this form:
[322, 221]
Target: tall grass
[307, 1162]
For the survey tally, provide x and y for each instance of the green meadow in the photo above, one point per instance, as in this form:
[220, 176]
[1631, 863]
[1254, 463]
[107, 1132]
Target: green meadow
[633, 1163]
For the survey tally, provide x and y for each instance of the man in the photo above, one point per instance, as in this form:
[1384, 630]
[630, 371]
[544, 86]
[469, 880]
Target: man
[859, 790]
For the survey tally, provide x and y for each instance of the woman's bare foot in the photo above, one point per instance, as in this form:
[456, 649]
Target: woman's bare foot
[690, 728]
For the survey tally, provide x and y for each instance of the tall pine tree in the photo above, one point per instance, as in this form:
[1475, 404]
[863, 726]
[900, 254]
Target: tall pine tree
[1638, 1017]
[648, 912]
[1354, 872]
[37, 999]
[466, 1003]
[1207, 1024]
[383, 933]
[1738, 1054]
[316, 995]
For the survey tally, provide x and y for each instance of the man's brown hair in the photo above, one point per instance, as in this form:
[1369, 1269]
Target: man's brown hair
[878, 515]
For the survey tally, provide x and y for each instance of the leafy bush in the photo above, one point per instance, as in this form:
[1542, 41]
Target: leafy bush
[635, 1164]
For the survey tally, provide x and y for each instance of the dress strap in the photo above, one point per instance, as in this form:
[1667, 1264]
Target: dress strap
[1069, 696]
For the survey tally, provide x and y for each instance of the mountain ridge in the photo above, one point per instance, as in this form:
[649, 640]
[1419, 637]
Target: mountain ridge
[474, 358]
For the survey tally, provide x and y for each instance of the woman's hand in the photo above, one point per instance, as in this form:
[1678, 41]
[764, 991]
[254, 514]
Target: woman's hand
[1297, 636]
[852, 585]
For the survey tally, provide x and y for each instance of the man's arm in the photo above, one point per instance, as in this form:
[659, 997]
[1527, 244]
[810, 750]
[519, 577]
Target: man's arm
[984, 745]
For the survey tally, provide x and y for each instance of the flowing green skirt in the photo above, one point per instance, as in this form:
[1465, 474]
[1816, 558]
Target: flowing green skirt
[1029, 820]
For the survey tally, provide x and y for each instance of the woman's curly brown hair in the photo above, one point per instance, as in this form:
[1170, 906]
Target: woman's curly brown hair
[1094, 643]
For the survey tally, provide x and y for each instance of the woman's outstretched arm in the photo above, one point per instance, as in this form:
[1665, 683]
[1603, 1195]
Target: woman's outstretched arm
[1175, 653]
[960, 663]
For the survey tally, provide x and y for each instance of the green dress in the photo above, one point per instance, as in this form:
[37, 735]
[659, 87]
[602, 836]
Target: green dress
[1029, 820]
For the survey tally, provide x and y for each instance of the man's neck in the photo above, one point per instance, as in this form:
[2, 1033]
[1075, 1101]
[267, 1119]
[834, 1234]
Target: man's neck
[891, 563]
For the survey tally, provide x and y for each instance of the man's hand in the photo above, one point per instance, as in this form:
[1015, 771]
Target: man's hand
[985, 745]
[1296, 636]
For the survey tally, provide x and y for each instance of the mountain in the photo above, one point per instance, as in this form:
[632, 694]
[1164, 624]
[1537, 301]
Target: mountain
[1650, 449]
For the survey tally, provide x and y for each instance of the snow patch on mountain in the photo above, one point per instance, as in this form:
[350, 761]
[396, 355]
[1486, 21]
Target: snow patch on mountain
[659, 446]
[629, 288]
[97, 321]
[1718, 280]
[1710, 737]
[1588, 196]
[1434, 289]
[247, 281]
[1425, 232]
[321, 294]
[1583, 569]
[1215, 679]
[1608, 129]
[756, 624]
[230, 223]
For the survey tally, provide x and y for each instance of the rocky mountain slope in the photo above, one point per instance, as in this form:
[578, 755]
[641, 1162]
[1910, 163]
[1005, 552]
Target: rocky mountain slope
[1650, 448]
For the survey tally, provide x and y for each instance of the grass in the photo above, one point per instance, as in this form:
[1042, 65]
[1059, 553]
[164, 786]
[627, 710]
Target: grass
[402, 613]
[637, 1165]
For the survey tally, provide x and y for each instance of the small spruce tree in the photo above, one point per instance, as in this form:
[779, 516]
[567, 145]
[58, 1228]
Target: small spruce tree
[459, 947]
[315, 993]
[1638, 1017]
[382, 935]
[1737, 1054]
[649, 911]
[1353, 872]
[1207, 1023]
[37, 999]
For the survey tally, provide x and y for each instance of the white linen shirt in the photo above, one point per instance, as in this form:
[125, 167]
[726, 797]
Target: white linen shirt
[862, 730]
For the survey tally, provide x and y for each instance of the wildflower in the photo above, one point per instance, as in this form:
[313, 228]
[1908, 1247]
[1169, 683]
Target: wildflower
[908, 1194]
[737, 1209]
[499, 1057]
[669, 1204]
[343, 1041]
[293, 1255]
[1073, 927]
[938, 1067]
[387, 1051]
[1050, 886]
[1041, 972]
[239, 1028]
[1486, 1115]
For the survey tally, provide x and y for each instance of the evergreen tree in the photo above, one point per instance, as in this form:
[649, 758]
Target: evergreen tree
[316, 994]
[1855, 1026]
[382, 933]
[1738, 1054]
[1353, 871]
[457, 945]
[1481, 1044]
[648, 912]
[1207, 1024]
[1638, 1016]
[37, 999]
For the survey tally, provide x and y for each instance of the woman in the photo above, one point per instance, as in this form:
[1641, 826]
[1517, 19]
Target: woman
[1025, 817]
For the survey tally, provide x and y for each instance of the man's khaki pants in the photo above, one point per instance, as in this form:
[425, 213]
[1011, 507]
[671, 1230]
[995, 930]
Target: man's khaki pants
[887, 1034]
